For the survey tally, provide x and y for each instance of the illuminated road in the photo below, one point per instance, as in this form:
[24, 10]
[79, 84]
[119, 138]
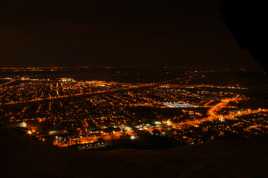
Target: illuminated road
[8, 82]
[214, 116]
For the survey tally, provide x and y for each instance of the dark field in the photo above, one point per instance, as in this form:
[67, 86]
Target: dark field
[234, 158]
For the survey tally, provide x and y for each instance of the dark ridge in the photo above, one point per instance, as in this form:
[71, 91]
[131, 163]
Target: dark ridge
[232, 157]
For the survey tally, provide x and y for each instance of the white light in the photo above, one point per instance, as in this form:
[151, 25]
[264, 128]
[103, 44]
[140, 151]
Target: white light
[22, 124]
[178, 105]
[67, 80]
[132, 137]
[157, 123]
[128, 128]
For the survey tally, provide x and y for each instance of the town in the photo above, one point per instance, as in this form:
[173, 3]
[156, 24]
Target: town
[92, 114]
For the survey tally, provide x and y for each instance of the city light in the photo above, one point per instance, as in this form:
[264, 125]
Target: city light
[92, 114]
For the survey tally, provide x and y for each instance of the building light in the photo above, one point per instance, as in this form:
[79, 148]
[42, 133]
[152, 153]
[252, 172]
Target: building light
[157, 123]
[221, 118]
[132, 137]
[128, 128]
[169, 122]
[22, 124]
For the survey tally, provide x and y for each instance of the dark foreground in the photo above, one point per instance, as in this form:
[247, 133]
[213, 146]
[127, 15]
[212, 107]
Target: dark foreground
[234, 158]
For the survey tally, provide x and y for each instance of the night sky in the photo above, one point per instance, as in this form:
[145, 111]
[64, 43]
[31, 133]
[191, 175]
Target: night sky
[122, 32]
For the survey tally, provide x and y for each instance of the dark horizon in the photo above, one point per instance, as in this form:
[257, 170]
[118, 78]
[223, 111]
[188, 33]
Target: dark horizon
[118, 33]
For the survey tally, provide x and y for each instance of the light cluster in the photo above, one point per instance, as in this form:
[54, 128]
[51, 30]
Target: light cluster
[91, 114]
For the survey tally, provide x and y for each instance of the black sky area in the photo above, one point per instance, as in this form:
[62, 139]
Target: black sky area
[119, 32]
